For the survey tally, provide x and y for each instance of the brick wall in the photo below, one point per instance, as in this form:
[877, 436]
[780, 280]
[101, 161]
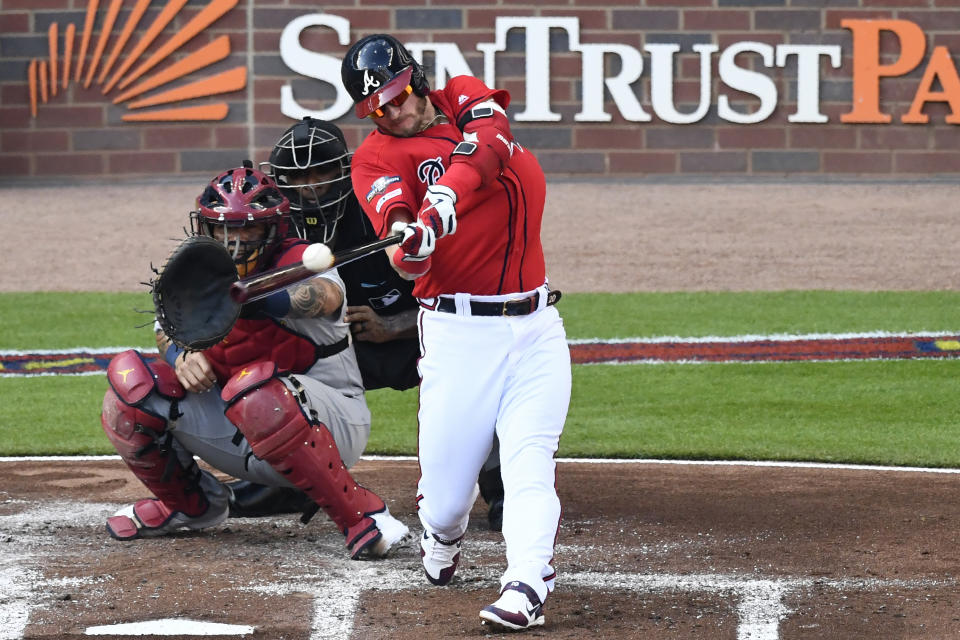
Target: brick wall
[81, 132]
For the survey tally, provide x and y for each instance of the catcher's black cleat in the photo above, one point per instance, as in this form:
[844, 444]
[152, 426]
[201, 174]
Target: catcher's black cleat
[491, 488]
[252, 500]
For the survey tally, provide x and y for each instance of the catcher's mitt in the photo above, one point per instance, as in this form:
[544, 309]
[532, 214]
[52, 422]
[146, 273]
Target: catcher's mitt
[191, 294]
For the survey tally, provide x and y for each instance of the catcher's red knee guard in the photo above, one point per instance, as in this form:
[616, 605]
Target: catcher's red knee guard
[140, 435]
[273, 421]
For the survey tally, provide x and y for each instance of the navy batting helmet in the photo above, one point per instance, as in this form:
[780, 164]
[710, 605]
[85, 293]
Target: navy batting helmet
[377, 69]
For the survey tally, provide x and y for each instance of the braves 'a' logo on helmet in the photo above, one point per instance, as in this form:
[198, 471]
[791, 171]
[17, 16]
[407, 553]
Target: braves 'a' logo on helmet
[369, 82]
[430, 170]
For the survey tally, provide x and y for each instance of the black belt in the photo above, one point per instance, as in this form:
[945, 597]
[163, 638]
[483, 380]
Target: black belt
[519, 307]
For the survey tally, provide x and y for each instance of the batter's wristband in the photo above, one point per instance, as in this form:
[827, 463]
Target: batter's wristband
[172, 353]
[413, 267]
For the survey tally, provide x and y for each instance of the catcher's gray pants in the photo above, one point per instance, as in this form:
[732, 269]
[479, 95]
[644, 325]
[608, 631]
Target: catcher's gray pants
[203, 430]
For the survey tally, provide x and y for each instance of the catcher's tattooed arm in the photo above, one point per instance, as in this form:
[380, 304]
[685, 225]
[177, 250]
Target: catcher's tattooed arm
[315, 298]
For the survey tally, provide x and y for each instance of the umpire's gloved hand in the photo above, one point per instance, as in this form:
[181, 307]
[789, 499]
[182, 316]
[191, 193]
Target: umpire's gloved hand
[419, 240]
[439, 210]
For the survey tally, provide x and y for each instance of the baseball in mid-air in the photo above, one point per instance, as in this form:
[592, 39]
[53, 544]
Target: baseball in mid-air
[317, 257]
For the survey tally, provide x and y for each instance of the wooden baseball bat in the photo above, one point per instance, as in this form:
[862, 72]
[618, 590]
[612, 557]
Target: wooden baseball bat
[263, 284]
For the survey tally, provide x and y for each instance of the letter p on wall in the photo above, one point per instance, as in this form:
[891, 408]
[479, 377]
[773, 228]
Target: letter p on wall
[867, 71]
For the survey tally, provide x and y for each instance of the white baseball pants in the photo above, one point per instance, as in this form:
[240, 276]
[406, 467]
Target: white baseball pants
[481, 376]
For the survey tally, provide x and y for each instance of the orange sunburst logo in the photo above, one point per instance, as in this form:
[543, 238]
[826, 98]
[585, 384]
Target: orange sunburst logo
[43, 75]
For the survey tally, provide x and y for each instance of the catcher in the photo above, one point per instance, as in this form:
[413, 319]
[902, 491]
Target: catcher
[278, 401]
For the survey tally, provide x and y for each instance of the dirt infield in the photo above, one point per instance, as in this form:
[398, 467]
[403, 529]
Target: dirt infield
[597, 236]
[645, 550]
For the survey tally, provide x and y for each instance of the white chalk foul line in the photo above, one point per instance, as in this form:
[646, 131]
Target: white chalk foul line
[828, 466]
[771, 337]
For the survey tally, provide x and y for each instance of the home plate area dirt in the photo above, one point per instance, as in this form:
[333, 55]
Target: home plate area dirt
[645, 550]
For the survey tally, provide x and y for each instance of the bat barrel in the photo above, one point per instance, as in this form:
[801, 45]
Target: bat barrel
[263, 284]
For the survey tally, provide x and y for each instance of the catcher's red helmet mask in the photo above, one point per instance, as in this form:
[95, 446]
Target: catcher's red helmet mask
[238, 199]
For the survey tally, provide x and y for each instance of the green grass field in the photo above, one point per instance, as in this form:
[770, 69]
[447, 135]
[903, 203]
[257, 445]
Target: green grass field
[879, 412]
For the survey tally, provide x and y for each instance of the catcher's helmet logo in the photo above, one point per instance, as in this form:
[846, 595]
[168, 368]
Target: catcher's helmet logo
[430, 170]
[369, 82]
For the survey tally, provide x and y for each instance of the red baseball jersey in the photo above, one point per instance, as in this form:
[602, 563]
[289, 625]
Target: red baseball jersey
[496, 249]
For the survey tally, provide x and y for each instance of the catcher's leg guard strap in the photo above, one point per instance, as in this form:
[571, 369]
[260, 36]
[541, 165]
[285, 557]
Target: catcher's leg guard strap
[141, 437]
[145, 514]
[150, 518]
[272, 419]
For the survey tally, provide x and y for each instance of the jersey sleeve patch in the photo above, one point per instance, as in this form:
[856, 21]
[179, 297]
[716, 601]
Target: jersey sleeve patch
[380, 185]
[390, 195]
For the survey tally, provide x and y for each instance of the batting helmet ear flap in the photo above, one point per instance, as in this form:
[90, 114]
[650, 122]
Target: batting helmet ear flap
[418, 79]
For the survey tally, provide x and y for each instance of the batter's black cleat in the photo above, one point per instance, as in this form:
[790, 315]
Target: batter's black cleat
[491, 488]
[252, 500]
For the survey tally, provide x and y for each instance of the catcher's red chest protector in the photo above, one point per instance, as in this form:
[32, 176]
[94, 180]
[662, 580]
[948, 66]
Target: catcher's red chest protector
[256, 340]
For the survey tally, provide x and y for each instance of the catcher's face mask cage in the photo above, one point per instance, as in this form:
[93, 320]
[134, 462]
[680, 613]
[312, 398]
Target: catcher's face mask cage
[311, 166]
[243, 199]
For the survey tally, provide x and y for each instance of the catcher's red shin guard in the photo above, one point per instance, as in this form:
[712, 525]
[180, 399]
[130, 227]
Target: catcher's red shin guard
[142, 440]
[272, 419]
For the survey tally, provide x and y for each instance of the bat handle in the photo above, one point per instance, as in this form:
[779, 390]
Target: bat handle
[239, 292]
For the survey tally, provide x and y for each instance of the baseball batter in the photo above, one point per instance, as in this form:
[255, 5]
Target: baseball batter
[444, 166]
[279, 401]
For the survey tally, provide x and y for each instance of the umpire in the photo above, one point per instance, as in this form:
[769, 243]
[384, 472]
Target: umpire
[311, 165]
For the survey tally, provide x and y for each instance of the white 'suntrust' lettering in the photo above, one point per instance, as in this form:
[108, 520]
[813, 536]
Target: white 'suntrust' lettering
[734, 68]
